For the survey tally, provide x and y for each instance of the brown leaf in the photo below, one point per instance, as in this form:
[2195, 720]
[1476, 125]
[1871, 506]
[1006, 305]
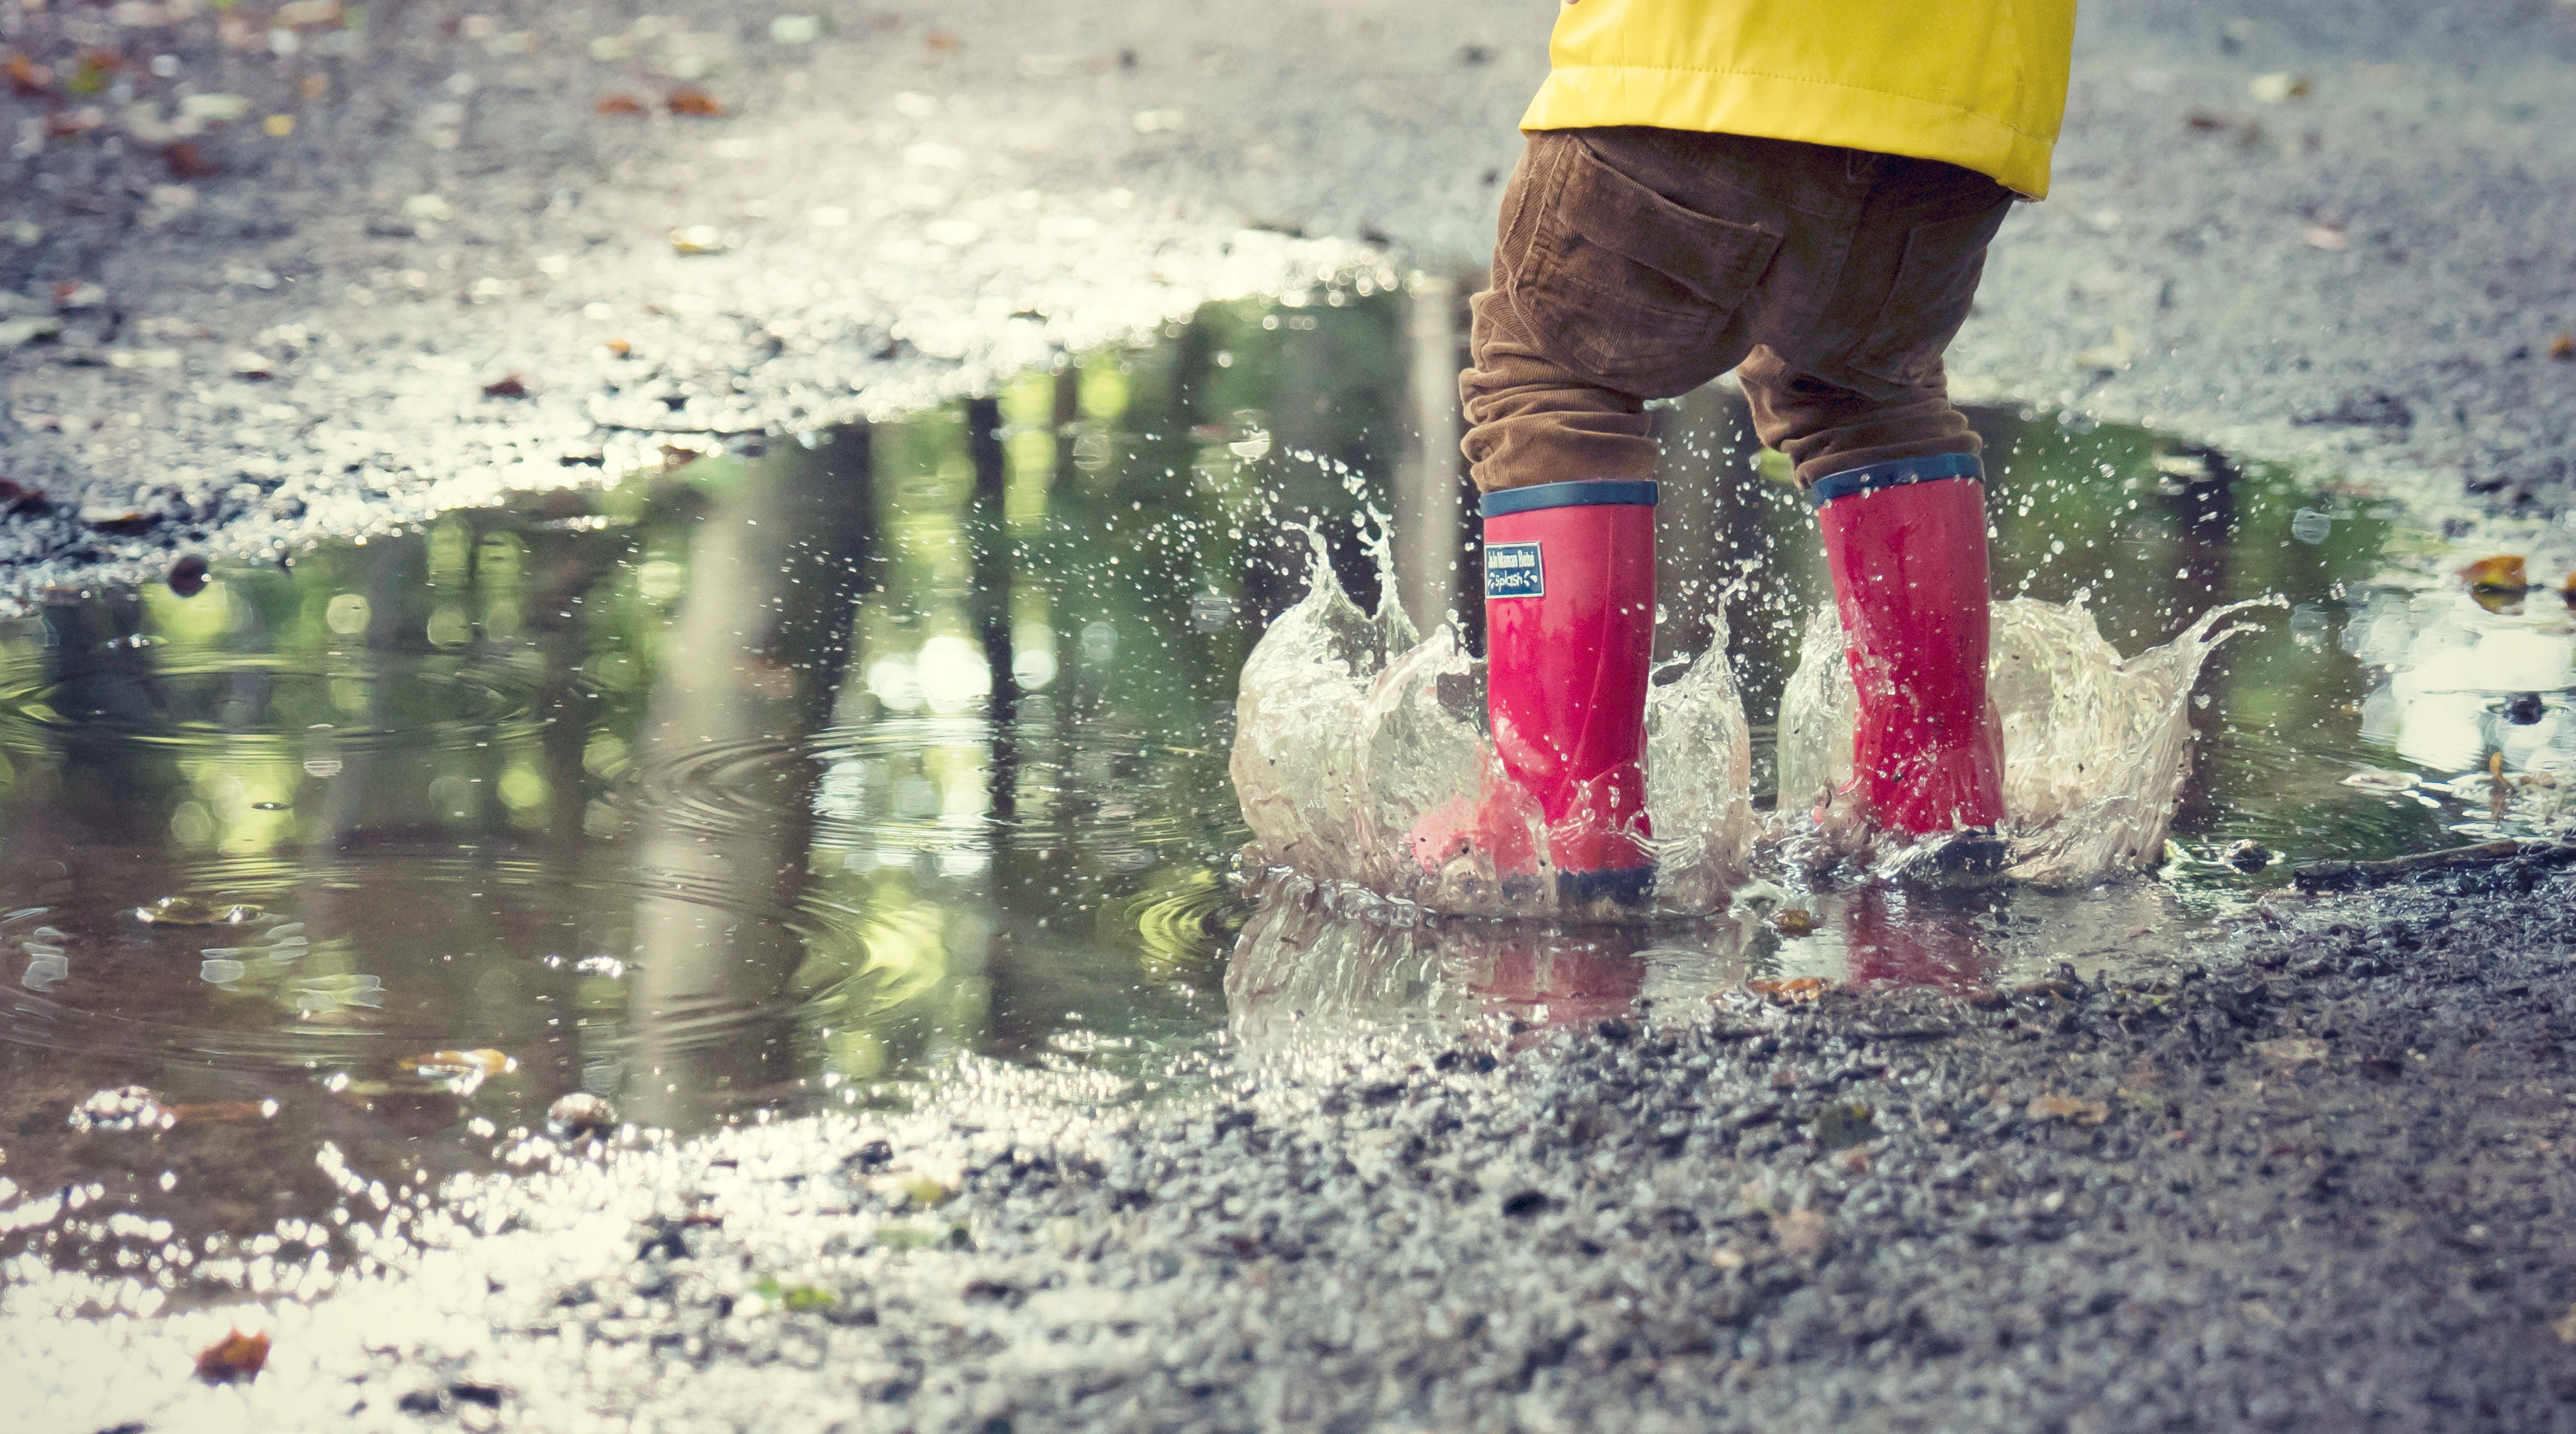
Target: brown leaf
[620, 103]
[2563, 346]
[237, 1356]
[694, 103]
[1796, 989]
[507, 386]
[17, 497]
[2067, 1107]
[2503, 571]
[27, 79]
[485, 1062]
[187, 161]
[1794, 921]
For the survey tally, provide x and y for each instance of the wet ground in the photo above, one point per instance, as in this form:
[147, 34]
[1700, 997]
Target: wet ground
[280, 273]
[756, 787]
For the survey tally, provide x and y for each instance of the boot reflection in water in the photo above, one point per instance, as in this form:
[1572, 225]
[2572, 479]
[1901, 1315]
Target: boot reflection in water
[1796, 214]
[1559, 979]
[1885, 945]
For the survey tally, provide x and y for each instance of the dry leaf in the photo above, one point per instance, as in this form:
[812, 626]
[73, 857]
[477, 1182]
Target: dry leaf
[1794, 921]
[693, 103]
[2563, 346]
[507, 386]
[27, 78]
[2067, 1107]
[2291, 1050]
[944, 41]
[2504, 571]
[481, 1062]
[237, 1356]
[1794, 990]
[620, 103]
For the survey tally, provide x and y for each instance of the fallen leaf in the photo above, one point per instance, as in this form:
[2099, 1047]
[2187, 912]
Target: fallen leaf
[187, 161]
[2563, 346]
[27, 78]
[618, 348]
[620, 103]
[1797, 989]
[482, 1062]
[17, 497]
[237, 1356]
[943, 41]
[693, 103]
[2291, 1050]
[507, 386]
[2504, 572]
[2053, 1106]
[1794, 921]
[2326, 237]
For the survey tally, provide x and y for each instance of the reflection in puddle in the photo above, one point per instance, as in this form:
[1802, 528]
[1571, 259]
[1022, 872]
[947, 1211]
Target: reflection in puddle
[760, 784]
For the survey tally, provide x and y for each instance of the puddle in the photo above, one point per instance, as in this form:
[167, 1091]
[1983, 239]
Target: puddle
[771, 782]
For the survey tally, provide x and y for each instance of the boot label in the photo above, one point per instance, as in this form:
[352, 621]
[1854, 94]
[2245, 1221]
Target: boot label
[1513, 570]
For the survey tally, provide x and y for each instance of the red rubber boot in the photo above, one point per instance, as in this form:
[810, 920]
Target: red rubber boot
[1569, 634]
[1906, 542]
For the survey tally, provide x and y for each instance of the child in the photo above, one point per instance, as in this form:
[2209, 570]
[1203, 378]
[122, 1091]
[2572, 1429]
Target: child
[1801, 191]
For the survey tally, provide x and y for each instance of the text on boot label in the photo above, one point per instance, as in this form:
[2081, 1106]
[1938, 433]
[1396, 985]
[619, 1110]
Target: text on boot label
[1513, 570]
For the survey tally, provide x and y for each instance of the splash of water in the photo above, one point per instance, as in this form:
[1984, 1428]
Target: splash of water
[1351, 729]
[2096, 746]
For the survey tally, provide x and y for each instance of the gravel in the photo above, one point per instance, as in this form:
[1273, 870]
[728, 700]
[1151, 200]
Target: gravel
[2310, 1176]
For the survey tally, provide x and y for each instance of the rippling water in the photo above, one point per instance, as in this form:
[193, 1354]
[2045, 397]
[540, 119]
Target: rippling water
[764, 782]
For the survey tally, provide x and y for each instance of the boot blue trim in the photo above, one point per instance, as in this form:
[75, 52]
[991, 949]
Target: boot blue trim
[1577, 494]
[1895, 473]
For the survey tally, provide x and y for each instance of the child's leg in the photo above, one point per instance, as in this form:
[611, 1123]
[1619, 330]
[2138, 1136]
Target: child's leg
[1901, 504]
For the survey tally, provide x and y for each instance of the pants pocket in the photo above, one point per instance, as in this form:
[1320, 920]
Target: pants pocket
[1622, 285]
[1936, 284]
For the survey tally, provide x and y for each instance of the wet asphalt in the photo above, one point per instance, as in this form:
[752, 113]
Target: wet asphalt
[2313, 1175]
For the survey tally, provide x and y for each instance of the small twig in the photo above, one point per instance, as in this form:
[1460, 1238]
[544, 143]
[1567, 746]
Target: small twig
[2351, 875]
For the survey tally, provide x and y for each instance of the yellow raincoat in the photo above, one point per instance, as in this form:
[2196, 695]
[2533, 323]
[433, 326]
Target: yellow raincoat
[1978, 83]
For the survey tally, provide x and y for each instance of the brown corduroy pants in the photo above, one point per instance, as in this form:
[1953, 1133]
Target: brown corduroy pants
[1636, 263]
